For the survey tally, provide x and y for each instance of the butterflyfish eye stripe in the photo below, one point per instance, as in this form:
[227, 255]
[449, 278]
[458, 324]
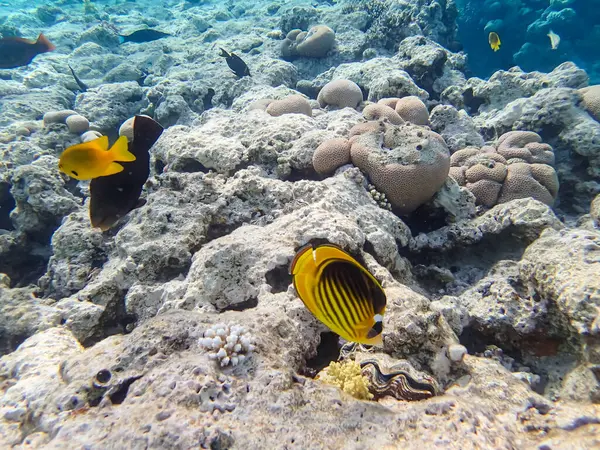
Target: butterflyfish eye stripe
[337, 302]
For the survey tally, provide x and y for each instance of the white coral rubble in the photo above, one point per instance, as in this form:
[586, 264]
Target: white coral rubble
[229, 344]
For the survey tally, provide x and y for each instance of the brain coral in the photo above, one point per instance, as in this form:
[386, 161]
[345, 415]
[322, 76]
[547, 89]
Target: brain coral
[413, 110]
[409, 165]
[293, 104]
[379, 111]
[330, 155]
[389, 101]
[591, 100]
[538, 181]
[312, 44]
[525, 145]
[365, 127]
[509, 172]
[340, 94]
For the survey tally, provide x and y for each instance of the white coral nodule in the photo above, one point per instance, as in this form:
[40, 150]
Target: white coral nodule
[228, 344]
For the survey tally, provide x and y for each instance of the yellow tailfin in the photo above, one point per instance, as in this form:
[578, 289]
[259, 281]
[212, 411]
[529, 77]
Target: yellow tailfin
[119, 151]
[113, 168]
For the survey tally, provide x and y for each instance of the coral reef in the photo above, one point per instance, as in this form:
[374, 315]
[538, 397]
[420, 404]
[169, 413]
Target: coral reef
[314, 43]
[519, 167]
[408, 166]
[340, 94]
[178, 326]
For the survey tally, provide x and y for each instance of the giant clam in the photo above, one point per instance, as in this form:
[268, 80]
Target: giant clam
[393, 378]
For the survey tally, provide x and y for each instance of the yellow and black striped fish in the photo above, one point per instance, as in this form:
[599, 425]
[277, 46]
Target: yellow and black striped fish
[340, 292]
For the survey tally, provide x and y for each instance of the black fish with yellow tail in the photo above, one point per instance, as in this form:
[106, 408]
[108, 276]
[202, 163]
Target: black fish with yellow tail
[114, 196]
[340, 292]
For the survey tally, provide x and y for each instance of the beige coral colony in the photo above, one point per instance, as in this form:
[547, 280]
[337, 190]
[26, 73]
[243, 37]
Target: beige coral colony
[306, 168]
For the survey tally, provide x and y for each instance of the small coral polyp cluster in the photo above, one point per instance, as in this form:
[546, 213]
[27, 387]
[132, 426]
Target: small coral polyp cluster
[228, 344]
[519, 166]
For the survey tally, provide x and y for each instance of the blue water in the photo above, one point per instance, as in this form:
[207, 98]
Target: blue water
[523, 27]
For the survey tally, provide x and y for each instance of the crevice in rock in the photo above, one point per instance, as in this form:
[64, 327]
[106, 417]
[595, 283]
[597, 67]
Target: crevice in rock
[327, 351]
[72, 186]
[217, 230]
[173, 268]
[472, 102]
[252, 302]
[24, 262]
[10, 342]
[159, 166]
[279, 279]
[426, 218]
[550, 351]
[207, 99]
[113, 320]
[117, 397]
[452, 272]
[7, 204]
[298, 175]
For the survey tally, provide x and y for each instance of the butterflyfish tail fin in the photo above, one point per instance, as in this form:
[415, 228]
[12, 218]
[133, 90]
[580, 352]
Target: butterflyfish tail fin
[120, 151]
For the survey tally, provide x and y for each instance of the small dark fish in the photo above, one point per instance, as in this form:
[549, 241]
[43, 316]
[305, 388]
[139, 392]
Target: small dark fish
[236, 64]
[114, 196]
[17, 52]
[82, 86]
[207, 99]
[140, 36]
[142, 77]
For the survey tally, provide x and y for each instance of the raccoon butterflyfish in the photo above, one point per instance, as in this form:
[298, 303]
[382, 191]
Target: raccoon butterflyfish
[17, 52]
[494, 41]
[114, 196]
[340, 292]
[93, 159]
